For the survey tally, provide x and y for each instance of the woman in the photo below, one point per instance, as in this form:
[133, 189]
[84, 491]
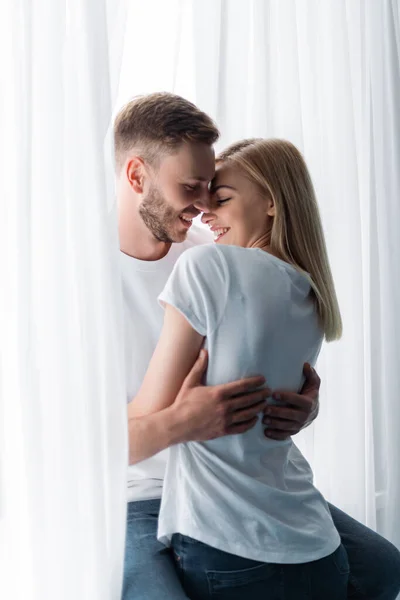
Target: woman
[241, 512]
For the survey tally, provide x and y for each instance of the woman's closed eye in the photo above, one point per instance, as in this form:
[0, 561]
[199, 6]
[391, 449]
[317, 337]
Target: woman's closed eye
[222, 200]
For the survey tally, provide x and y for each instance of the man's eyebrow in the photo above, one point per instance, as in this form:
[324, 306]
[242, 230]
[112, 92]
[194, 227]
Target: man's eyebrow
[199, 178]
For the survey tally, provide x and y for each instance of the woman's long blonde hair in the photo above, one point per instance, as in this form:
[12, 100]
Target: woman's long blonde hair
[297, 236]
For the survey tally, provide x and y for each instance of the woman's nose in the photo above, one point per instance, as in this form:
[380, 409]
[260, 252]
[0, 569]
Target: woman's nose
[206, 217]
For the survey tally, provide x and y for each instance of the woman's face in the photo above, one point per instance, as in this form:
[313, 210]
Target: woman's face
[239, 214]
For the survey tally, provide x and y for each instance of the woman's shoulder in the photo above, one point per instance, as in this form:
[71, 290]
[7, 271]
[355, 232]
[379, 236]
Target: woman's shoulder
[203, 263]
[227, 259]
[253, 263]
[200, 255]
[220, 256]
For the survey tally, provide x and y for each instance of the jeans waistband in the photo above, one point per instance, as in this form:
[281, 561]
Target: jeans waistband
[145, 505]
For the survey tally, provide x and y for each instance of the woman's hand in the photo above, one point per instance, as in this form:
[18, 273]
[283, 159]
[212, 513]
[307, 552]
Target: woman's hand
[299, 411]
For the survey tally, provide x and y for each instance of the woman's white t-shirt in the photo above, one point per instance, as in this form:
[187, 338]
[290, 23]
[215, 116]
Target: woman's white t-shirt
[246, 494]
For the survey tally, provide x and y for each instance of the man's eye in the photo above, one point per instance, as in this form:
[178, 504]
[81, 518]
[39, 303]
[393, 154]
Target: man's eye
[190, 188]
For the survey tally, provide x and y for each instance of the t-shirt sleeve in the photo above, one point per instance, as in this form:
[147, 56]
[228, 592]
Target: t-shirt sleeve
[198, 287]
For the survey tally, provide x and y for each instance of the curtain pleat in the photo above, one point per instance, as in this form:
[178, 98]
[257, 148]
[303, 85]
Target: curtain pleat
[63, 452]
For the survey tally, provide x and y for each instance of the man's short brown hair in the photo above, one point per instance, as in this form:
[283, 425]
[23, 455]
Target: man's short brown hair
[157, 124]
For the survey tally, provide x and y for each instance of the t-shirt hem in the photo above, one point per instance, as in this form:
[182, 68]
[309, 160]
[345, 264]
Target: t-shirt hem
[256, 554]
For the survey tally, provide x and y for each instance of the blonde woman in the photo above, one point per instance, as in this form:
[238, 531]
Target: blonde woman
[241, 512]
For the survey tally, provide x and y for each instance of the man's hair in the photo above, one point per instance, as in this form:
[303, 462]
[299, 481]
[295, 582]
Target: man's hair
[157, 124]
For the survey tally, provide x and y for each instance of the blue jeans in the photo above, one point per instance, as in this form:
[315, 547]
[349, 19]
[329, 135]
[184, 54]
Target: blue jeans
[207, 573]
[150, 572]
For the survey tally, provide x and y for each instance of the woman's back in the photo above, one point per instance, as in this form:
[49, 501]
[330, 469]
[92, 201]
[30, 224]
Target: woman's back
[246, 494]
[269, 323]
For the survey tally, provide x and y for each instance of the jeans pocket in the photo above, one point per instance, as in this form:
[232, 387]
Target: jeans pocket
[341, 561]
[252, 578]
[177, 547]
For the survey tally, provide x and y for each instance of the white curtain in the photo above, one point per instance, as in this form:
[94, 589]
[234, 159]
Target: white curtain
[326, 76]
[322, 74]
[63, 447]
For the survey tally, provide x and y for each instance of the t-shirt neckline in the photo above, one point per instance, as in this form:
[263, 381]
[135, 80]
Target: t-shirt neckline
[150, 265]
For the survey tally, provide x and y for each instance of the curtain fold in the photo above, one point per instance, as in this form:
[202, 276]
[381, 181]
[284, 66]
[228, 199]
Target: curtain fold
[63, 452]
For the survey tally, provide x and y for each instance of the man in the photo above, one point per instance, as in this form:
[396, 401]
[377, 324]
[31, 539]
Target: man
[164, 163]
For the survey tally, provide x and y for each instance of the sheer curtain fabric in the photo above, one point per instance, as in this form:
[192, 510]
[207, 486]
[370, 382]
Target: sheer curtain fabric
[63, 447]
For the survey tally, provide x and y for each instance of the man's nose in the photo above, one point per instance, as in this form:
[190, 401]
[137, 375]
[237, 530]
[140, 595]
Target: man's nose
[203, 203]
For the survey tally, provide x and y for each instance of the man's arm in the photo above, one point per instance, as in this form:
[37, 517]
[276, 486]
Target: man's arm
[149, 434]
[173, 406]
[199, 413]
[299, 411]
[203, 413]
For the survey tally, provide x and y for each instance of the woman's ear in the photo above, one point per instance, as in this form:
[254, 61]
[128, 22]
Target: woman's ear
[135, 174]
[271, 208]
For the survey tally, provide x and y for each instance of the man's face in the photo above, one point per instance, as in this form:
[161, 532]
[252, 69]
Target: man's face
[178, 191]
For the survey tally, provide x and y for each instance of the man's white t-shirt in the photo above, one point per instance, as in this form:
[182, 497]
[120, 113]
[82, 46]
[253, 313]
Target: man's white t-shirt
[142, 282]
[245, 494]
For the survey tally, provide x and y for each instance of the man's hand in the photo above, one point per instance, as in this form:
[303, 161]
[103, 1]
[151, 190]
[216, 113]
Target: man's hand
[198, 413]
[299, 411]
[206, 412]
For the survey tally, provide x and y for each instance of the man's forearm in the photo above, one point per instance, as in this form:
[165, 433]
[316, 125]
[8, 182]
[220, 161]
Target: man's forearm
[150, 434]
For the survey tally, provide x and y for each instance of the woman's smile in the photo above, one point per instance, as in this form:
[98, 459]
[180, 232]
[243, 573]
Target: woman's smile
[219, 232]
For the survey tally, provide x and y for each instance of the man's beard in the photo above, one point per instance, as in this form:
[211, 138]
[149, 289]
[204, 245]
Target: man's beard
[158, 217]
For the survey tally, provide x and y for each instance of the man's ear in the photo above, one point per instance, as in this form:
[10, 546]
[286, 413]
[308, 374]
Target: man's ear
[135, 172]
